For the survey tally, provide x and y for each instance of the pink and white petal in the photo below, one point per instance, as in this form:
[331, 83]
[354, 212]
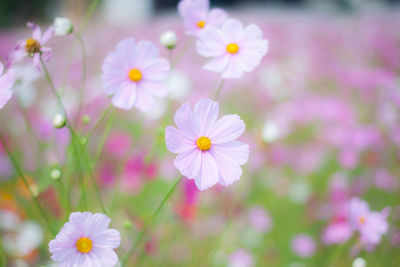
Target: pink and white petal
[206, 111]
[37, 33]
[229, 171]
[60, 254]
[5, 96]
[108, 238]
[189, 163]
[18, 55]
[97, 223]
[248, 60]
[145, 52]
[259, 47]
[113, 84]
[185, 120]
[106, 256]
[126, 97]
[144, 101]
[36, 61]
[186, 7]
[218, 64]
[211, 43]
[48, 34]
[155, 88]
[124, 55]
[227, 129]
[156, 70]
[236, 151]
[7, 80]
[216, 17]
[177, 141]
[233, 29]
[1, 68]
[234, 69]
[95, 261]
[251, 32]
[208, 175]
[46, 53]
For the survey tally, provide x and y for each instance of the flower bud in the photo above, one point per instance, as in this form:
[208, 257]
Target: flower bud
[55, 174]
[168, 39]
[359, 262]
[85, 119]
[59, 121]
[127, 225]
[270, 132]
[83, 140]
[62, 26]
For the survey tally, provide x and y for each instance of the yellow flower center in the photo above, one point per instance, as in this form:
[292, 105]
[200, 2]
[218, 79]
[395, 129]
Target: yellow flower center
[204, 143]
[135, 75]
[361, 220]
[201, 24]
[84, 245]
[32, 46]
[232, 48]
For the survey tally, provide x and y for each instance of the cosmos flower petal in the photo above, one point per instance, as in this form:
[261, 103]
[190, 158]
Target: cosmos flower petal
[7, 80]
[36, 32]
[206, 111]
[216, 17]
[208, 175]
[234, 69]
[46, 53]
[217, 64]
[97, 223]
[157, 70]
[184, 120]
[48, 34]
[109, 237]
[229, 172]
[238, 152]
[232, 28]
[211, 43]
[227, 129]
[177, 141]
[189, 163]
[126, 97]
[144, 100]
[106, 256]
[252, 32]
[36, 61]
[1, 68]
[146, 51]
[155, 88]
[5, 96]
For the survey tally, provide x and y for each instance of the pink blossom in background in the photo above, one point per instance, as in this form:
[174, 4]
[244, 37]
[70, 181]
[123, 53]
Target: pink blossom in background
[196, 15]
[386, 181]
[207, 148]
[118, 144]
[303, 245]
[6, 81]
[133, 75]
[85, 240]
[34, 46]
[371, 224]
[259, 219]
[241, 258]
[338, 232]
[234, 49]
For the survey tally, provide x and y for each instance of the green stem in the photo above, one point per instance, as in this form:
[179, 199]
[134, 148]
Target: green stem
[182, 53]
[219, 88]
[84, 70]
[149, 222]
[21, 174]
[109, 108]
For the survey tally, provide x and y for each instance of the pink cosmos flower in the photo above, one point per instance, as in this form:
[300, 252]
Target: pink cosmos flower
[259, 219]
[196, 15]
[134, 73]
[208, 151]
[234, 49]
[303, 245]
[34, 46]
[6, 81]
[241, 258]
[337, 233]
[371, 224]
[85, 240]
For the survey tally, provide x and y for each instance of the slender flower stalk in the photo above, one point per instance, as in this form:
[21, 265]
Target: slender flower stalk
[33, 196]
[149, 222]
[219, 88]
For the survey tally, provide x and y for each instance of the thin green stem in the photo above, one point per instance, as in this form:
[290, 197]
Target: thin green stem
[84, 71]
[182, 53]
[109, 108]
[219, 88]
[149, 222]
[33, 196]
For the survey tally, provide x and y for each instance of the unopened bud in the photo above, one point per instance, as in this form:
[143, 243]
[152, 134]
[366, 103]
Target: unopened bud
[59, 121]
[168, 39]
[127, 225]
[55, 174]
[62, 26]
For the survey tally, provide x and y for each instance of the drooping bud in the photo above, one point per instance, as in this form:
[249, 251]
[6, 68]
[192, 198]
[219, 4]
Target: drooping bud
[59, 121]
[168, 39]
[62, 26]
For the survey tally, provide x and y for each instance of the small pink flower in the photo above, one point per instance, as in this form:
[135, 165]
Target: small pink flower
[34, 46]
[85, 240]
[207, 146]
[6, 81]
[197, 16]
[259, 219]
[303, 245]
[133, 74]
[234, 49]
[241, 258]
[337, 233]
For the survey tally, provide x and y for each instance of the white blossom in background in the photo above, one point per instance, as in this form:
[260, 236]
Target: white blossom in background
[270, 132]
[62, 26]
[25, 76]
[27, 238]
[179, 84]
[299, 192]
[359, 262]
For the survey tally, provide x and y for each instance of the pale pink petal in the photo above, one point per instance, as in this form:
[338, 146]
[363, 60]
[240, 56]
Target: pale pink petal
[206, 111]
[234, 69]
[145, 52]
[48, 34]
[18, 55]
[37, 33]
[211, 43]
[229, 171]
[7, 80]
[5, 96]
[46, 53]
[177, 141]
[216, 17]
[110, 238]
[156, 70]
[96, 223]
[248, 60]
[233, 29]
[155, 88]
[36, 61]
[237, 151]
[106, 256]
[184, 120]
[208, 175]
[1, 68]
[256, 47]
[144, 101]
[227, 129]
[251, 32]
[218, 64]
[124, 55]
[125, 98]
[189, 163]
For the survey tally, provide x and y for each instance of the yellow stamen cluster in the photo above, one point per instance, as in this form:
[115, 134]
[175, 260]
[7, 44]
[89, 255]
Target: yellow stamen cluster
[32, 46]
[232, 48]
[361, 220]
[201, 24]
[84, 245]
[135, 75]
[203, 143]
